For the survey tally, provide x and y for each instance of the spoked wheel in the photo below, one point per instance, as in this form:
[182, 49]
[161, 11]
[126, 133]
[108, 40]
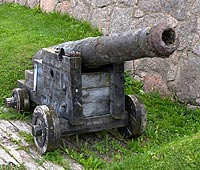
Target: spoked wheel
[136, 117]
[45, 129]
[19, 100]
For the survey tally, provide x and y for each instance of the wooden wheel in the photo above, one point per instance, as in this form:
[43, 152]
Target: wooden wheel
[136, 117]
[19, 100]
[45, 129]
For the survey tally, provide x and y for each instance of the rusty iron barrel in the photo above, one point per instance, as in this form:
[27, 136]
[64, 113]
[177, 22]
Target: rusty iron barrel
[158, 41]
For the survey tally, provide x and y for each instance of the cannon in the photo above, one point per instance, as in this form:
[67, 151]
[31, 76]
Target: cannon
[78, 86]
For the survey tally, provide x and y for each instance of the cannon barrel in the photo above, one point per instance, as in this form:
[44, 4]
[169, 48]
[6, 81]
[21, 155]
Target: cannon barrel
[158, 41]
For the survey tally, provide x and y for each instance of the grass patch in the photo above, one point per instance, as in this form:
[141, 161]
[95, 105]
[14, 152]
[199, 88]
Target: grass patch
[21, 38]
[11, 114]
[58, 157]
[171, 139]
[28, 137]
[87, 157]
[12, 167]
[179, 154]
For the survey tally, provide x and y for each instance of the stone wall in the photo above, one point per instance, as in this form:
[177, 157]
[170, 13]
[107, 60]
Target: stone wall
[178, 75]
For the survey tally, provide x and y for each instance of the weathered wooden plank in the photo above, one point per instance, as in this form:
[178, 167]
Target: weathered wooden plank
[38, 77]
[117, 96]
[21, 126]
[74, 165]
[2, 162]
[9, 131]
[14, 153]
[96, 95]
[28, 161]
[21, 156]
[96, 101]
[51, 166]
[96, 109]
[29, 78]
[92, 124]
[5, 158]
[46, 164]
[12, 131]
[74, 97]
[49, 57]
[95, 79]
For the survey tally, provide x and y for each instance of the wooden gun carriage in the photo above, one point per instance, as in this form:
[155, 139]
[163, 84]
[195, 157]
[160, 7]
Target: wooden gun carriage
[78, 86]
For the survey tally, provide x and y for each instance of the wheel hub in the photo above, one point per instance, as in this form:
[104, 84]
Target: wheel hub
[37, 130]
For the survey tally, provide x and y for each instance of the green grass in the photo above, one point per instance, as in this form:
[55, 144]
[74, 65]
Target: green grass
[23, 32]
[28, 137]
[57, 157]
[179, 154]
[12, 167]
[11, 114]
[172, 136]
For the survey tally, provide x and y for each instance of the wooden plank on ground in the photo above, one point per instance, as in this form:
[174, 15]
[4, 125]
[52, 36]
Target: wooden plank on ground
[14, 151]
[12, 132]
[74, 165]
[2, 162]
[21, 155]
[21, 126]
[9, 133]
[6, 159]
[51, 166]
